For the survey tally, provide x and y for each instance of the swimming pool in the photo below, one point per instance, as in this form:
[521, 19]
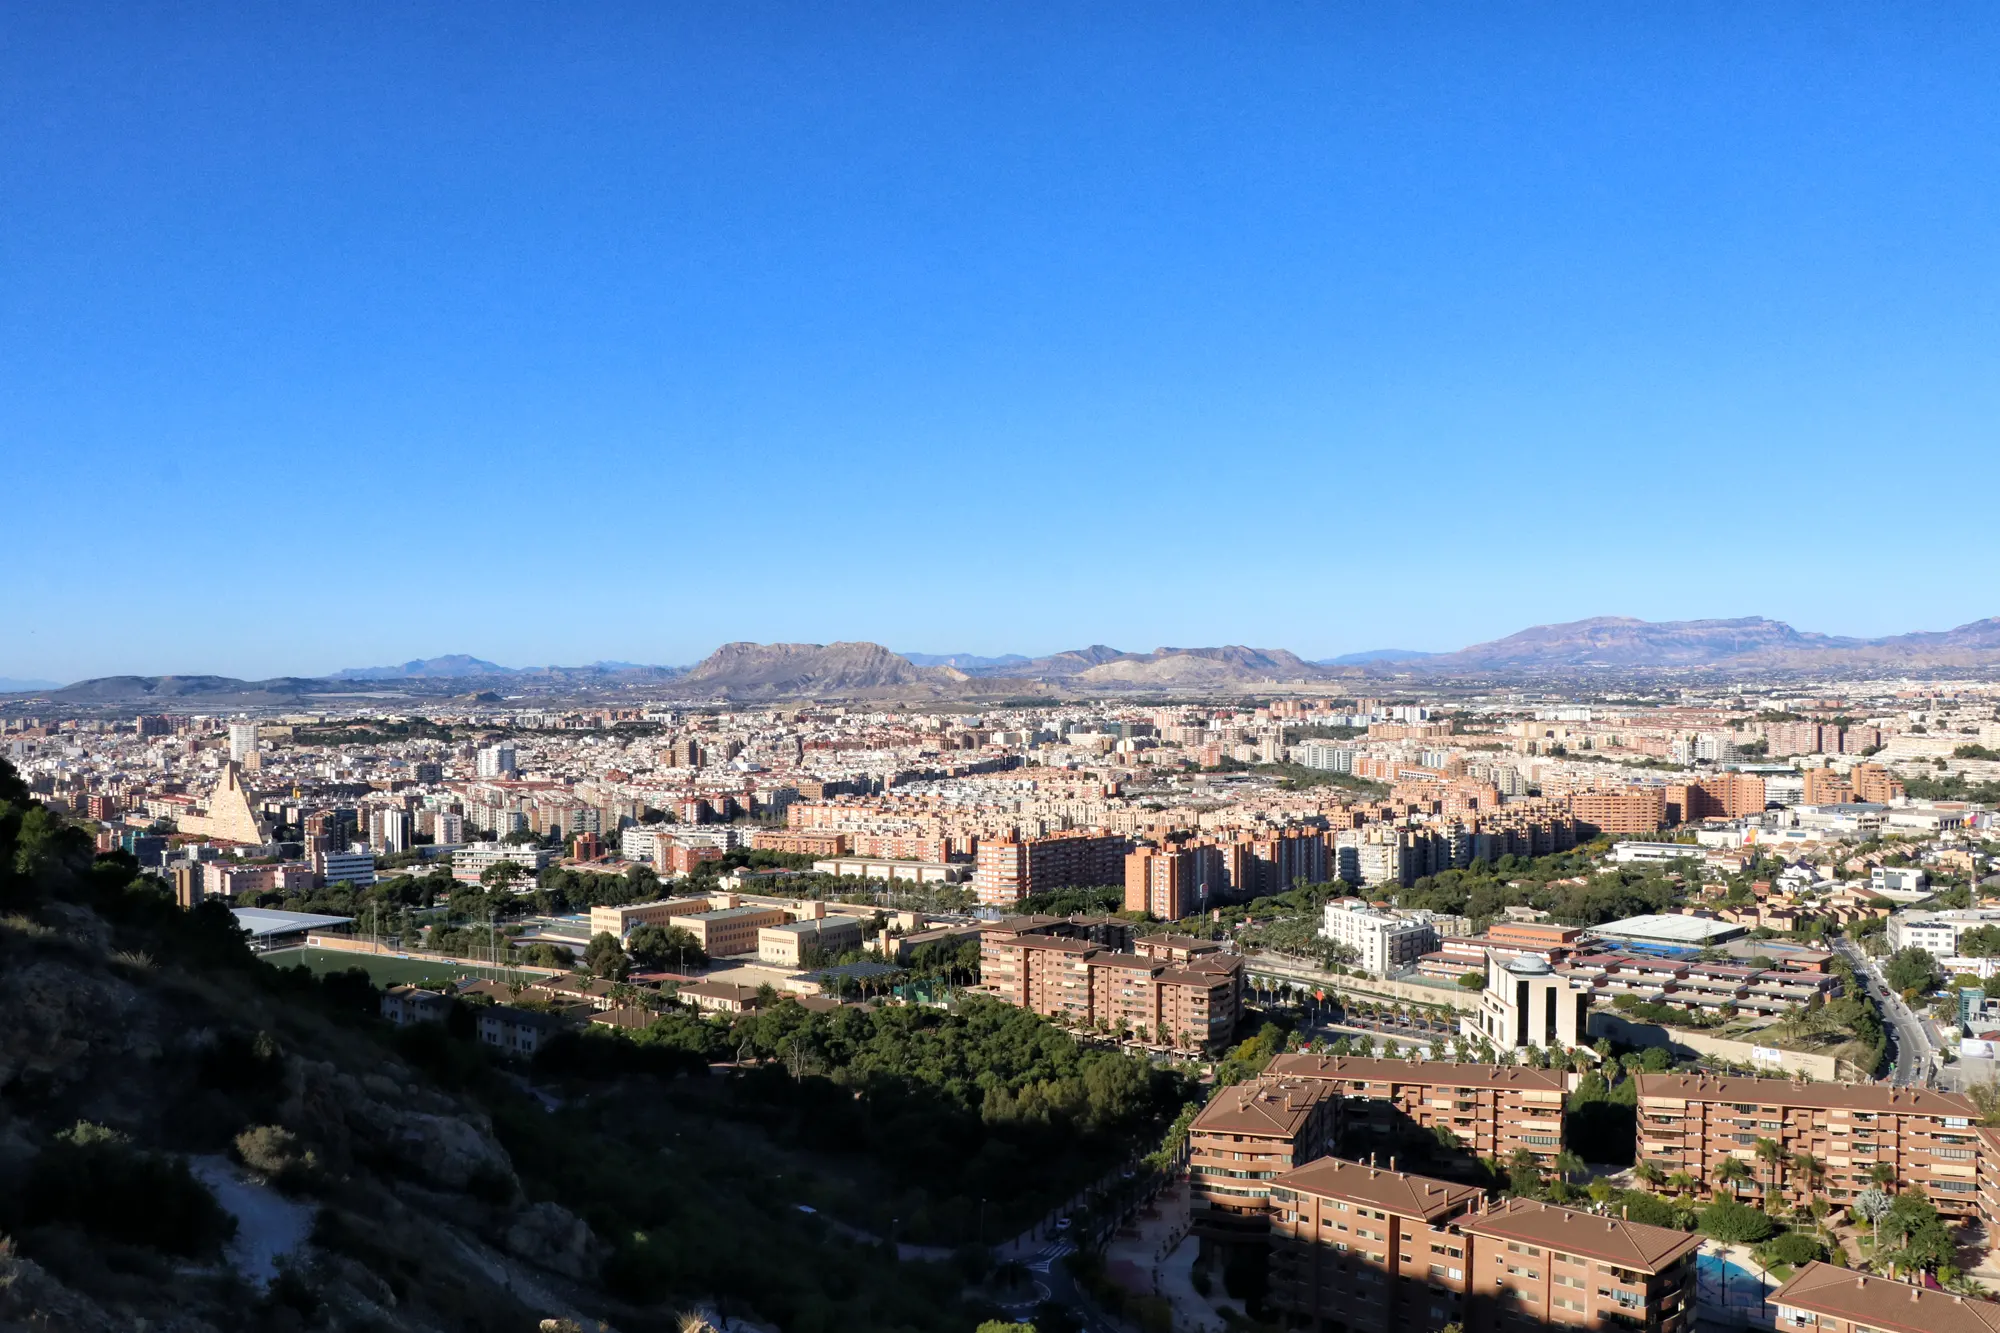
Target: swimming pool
[1722, 1282]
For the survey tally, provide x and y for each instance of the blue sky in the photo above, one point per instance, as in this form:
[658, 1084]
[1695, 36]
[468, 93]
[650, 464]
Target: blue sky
[338, 334]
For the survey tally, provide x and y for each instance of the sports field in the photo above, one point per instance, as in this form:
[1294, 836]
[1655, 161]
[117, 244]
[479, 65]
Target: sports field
[385, 971]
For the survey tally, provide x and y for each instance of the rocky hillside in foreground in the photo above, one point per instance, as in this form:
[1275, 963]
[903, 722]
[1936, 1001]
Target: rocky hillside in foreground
[144, 1048]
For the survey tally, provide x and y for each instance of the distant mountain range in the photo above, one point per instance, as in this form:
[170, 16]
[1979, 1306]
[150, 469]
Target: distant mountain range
[753, 671]
[1750, 643]
[427, 668]
[12, 685]
[1374, 655]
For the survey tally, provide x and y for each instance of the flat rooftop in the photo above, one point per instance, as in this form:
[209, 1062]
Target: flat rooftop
[1657, 928]
[263, 922]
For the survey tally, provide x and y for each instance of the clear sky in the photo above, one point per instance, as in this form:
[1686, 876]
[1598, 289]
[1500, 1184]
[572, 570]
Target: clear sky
[335, 334]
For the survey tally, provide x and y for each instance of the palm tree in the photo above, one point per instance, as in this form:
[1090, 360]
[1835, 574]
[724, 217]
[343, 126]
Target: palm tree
[1770, 1152]
[1810, 1170]
[1648, 1173]
[1567, 1164]
[1882, 1174]
[1729, 1172]
[1681, 1183]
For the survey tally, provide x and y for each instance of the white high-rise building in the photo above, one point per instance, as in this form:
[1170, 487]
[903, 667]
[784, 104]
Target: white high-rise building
[1383, 942]
[242, 740]
[497, 761]
[389, 830]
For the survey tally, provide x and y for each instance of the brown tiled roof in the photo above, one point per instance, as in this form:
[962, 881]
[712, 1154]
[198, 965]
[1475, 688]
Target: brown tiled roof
[1131, 960]
[721, 990]
[1634, 1245]
[1188, 976]
[1397, 1192]
[1303, 1064]
[1825, 1096]
[1896, 1307]
[1267, 1107]
[1055, 944]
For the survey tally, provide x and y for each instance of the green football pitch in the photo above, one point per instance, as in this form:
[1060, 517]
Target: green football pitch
[384, 971]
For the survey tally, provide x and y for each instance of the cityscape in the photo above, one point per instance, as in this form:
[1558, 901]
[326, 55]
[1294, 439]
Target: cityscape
[999, 669]
[1680, 985]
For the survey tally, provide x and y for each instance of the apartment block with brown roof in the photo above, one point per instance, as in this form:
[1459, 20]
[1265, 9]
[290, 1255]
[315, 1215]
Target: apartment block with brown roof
[1368, 1250]
[1186, 994]
[1246, 1137]
[1493, 1110]
[1532, 1262]
[1692, 1122]
[1826, 1299]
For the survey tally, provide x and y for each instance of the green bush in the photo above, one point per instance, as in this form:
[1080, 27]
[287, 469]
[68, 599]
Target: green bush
[1736, 1223]
[1794, 1248]
[276, 1153]
[93, 1179]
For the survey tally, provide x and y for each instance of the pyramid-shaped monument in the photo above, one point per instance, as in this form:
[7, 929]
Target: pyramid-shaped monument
[229, 817]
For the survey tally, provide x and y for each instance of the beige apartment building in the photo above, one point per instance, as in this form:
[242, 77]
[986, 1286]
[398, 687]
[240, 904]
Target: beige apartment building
[1493, 1110]
[1692, 1122]
[787, 945]
[1248, 1136]
[622, 921]
[730, 930]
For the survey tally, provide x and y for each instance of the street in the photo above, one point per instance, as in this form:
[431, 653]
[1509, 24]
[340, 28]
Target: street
[1907, 1044]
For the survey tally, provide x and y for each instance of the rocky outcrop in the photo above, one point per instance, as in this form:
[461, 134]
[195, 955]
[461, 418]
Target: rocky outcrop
[424, 1134]
[803, 670]
[550, 1236]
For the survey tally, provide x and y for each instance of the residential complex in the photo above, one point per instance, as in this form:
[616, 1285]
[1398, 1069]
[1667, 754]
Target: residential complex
[1367, 1250]
[1695, 1122]
[1245, 1138]
[1167, 989]
[1491, 1110]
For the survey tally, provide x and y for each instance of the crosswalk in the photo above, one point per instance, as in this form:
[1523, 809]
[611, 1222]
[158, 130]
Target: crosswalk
[1048, 1254]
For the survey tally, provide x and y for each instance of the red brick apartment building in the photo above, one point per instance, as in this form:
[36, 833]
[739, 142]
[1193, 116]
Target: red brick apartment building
[1355, 1249]
[1371, 1251]
[1645, 809]
[1168, 988]
[1826, 1299]
[1185, 876]
[1621, 809]
[1493, 1110]
[1248, 1136]
[1178, 879]
[1691, 1122]
[1006, 870]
